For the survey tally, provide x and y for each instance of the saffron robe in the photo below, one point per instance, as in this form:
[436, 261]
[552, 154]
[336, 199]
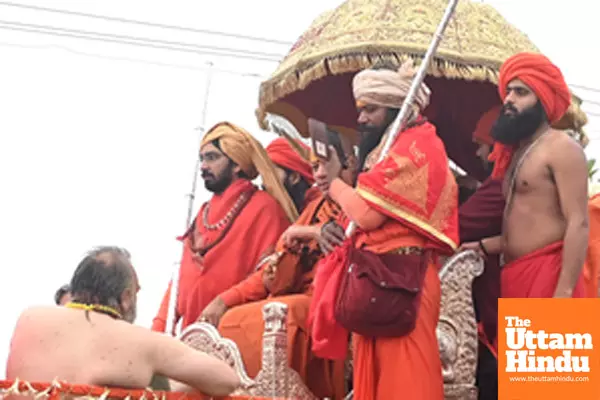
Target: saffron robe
[536, 274]
[244, 322]
[234, 256]
[415, 190]
[591, 268]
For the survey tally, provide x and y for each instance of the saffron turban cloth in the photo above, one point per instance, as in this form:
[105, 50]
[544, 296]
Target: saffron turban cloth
[483, 129]
[244, 150]
[546, 81]
[542, 77]
[282, 153]
[387, 88]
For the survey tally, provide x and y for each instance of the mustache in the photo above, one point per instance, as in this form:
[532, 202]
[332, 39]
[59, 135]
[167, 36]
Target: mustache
[206, 174]
[509, 107]
[367, 128]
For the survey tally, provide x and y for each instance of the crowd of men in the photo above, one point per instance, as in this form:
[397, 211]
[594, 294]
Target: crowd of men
[248, 245]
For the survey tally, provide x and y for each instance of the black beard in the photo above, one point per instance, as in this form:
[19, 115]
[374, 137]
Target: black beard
[370, 136]
[510, 129]
[297, 193]
[219, 184]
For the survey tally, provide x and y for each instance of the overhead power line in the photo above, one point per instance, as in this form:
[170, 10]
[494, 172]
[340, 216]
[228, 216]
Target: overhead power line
[588, 88]
[139, 41]
[136, 60]
[145, 23]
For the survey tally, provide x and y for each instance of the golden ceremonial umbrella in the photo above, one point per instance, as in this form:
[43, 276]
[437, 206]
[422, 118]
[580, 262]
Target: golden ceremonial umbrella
[315, 78]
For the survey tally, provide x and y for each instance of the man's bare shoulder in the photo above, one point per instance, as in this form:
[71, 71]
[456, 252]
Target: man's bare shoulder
[34, 313]
[562, 150]
[557, 139]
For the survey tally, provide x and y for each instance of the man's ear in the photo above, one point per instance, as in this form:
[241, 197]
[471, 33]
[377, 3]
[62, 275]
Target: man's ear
[236, 169]
[293, 178]
[127, 300]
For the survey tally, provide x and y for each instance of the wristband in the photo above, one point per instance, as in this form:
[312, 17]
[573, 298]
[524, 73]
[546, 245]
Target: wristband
[482, 247]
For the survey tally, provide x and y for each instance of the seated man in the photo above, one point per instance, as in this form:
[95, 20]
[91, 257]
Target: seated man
[288, 277]
[294, 170]
[62, 295]
[237, 220]
[92, 340]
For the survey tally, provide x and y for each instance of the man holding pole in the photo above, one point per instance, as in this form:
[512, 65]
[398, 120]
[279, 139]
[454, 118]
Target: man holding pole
[233, 229]
[403, 205]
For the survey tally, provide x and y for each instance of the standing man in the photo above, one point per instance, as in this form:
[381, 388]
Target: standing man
[545, 228]
[234, 228]
[480, 216]
[406, 205]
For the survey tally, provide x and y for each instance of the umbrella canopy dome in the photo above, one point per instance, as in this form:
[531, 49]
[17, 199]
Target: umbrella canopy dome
[315, 78]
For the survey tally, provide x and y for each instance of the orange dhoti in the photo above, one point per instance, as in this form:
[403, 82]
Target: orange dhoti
[245, 326]
[536, 274]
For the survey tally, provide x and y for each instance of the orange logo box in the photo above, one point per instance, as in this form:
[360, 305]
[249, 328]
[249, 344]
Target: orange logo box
[548, 349]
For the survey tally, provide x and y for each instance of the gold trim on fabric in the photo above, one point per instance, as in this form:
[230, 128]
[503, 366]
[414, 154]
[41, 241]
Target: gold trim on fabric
[367, 195]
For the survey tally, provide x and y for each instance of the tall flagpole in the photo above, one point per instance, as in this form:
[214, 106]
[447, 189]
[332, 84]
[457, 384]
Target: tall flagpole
[172, 312]
[400, 122]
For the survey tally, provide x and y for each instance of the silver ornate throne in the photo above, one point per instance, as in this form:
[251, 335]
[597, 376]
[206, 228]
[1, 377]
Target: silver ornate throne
[456, 332]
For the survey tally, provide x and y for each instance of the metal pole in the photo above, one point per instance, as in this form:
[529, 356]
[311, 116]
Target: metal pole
[170, 325]
[400, 122]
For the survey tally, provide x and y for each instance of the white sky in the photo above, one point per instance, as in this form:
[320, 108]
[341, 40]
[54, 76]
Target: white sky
[98, 141]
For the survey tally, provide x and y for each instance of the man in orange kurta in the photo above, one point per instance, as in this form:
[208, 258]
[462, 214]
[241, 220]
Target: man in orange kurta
[406, 203]
[234, 228]
[287, 278]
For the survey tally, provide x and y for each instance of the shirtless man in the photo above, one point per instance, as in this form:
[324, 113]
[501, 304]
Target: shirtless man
[93, 341]
[545, 227]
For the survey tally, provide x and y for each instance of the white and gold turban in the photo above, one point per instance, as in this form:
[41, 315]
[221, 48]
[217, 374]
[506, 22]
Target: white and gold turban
[388, 88]
[247, 152]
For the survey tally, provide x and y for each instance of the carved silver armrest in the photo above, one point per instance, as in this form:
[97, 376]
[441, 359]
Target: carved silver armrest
[457, 327]
[276, 378]
[206, 338]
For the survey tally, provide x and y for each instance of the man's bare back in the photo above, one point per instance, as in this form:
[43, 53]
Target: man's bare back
[90, 348]
[533, 218]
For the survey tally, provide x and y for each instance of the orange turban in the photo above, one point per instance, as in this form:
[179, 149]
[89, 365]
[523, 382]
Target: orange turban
[543, 77]
[247, 152]
[282, 153]
[547, 82]
[483, 130]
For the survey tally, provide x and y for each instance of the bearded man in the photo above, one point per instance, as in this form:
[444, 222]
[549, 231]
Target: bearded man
[544, 171]
[294, 170]
[234, 229]
[287, 277]
[405, 205]
[92, 340]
